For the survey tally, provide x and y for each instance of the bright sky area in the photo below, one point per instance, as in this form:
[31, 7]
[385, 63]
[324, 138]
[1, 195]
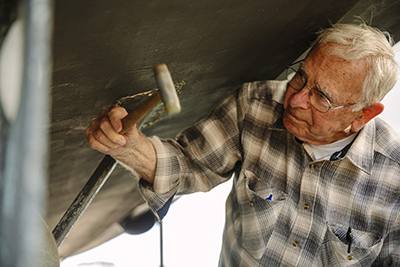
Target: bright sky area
[193, 227]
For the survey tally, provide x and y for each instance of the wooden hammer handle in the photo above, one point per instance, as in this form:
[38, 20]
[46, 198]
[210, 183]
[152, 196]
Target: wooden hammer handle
[139, 112]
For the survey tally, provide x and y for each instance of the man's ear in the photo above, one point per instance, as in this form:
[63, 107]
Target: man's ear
[367, 114]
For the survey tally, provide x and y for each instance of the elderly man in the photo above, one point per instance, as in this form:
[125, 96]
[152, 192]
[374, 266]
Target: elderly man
[317, 174]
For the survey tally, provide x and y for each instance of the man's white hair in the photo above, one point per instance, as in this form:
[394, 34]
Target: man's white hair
[373, 47]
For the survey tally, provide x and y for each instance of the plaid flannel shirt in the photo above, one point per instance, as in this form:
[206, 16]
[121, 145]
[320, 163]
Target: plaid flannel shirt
[285, 208]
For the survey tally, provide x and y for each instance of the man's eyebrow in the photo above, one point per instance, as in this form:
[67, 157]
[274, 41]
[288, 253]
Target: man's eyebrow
[325, 92]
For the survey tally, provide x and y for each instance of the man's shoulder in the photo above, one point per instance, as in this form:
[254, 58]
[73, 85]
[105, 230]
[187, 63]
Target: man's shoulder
[263, 101]
[266, 90]
[387, 140]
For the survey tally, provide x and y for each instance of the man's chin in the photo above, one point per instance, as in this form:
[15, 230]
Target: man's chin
[291, 128]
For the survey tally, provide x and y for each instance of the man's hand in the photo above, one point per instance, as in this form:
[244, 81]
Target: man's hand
[132, 149]
[103, 132]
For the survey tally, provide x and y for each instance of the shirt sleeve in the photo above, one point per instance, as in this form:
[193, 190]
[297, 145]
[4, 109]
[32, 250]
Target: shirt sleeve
[201, 157]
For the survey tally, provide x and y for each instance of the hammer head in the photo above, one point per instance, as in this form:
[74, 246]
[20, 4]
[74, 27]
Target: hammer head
[167, 89]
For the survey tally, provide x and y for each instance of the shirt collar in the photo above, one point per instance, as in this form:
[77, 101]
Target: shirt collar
[342, 153]
[360, 152]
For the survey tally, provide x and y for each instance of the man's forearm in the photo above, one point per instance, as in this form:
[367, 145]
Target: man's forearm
[140, 159]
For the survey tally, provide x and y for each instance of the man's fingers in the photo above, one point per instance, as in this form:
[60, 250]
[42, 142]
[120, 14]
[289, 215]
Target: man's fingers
[115, 116]
[97, 135]
[91, 139]
[103, 132]
[108, 135]
[95, 144]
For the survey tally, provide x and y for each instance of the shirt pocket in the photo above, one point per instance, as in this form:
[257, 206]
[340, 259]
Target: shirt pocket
[364, 249]
[260, 205]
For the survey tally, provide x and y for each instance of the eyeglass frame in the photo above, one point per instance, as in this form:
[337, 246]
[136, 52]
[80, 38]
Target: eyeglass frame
[330, 107]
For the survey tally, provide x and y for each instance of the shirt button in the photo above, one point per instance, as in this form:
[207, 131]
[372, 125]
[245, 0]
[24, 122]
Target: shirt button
[306, 206]
[350, 258]
[295, 244]
[312, 166]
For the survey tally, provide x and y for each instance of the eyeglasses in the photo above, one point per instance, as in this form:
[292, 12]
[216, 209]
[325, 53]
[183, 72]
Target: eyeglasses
[317, 98]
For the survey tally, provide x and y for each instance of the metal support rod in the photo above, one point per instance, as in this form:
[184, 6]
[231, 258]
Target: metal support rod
[83, 200]
[161, 246]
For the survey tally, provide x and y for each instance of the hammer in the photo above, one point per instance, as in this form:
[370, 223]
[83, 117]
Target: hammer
[168, 94]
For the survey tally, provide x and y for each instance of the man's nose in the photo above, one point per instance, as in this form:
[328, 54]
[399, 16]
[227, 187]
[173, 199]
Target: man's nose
[301, 99]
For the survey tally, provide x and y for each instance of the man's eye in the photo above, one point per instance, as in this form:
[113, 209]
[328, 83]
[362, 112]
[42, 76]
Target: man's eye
[301, 77]
[298, 80]
[321, 95]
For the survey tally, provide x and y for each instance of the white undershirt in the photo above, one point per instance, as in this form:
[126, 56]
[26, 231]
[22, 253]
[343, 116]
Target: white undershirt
[322, 151]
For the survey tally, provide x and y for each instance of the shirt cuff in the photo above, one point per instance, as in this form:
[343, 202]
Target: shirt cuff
[160, 194]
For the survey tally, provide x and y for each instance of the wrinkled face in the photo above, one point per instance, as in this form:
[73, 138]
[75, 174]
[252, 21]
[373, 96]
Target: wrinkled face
[341, 82]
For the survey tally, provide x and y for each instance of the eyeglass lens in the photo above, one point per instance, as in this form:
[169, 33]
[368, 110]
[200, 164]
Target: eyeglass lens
[298, 81]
